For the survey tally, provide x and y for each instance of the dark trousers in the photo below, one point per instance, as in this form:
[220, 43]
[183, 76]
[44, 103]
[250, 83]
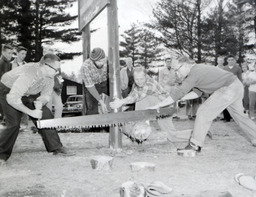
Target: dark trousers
[91, 102]
[246, 98]
[125, 93]
[226, 115]
[9, 134]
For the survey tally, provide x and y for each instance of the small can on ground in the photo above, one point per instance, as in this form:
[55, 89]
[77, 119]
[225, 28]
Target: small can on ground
[186, 153]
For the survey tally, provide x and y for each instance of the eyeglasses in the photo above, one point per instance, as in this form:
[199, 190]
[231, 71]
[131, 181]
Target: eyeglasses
[56, 70]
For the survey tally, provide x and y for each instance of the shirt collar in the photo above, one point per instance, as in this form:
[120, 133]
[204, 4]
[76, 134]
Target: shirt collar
[4, 58]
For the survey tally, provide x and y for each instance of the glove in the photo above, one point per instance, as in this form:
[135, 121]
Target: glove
[103, 107]
[38, 104]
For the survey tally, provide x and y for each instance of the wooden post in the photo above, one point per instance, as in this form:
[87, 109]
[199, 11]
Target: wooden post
[86, 37]
[115, 136]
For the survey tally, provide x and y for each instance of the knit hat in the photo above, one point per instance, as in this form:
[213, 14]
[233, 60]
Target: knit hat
[97, 54]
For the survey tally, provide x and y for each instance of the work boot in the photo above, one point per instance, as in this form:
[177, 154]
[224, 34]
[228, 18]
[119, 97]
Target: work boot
[2, 162]
[190, 147]
[63, 151]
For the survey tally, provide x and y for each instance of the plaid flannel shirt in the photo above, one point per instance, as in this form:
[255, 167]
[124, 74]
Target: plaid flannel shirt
[151, 87]
[91, 75]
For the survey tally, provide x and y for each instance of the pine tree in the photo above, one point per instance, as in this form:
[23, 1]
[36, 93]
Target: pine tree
[50, 21]
[7, 27]
[148, 48]
[37, 22]
[25, 19]
[131, 43]
[180, 25]
[247, 26]
[220, 31]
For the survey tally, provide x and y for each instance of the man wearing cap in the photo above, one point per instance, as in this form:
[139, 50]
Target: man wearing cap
[27, 89]
[94, 73]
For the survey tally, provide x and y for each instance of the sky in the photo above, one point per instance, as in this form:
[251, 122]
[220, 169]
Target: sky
[129, 11]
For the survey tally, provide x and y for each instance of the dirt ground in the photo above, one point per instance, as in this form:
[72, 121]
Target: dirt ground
[32, 172]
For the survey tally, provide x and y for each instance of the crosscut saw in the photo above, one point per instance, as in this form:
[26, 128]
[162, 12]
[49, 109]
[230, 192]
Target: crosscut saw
[103, 120]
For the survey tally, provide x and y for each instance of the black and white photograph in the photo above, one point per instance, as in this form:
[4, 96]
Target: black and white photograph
[127, 98]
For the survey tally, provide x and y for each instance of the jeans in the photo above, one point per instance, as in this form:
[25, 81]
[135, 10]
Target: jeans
[246, 97]
[229, 97]
[226, 115]
[8, 135]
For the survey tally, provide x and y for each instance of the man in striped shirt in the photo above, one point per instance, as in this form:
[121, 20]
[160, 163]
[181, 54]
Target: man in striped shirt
[94, 72]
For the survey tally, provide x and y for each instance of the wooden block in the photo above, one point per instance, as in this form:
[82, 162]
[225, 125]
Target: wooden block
[130, 188]
[138, 166]
[186, 153]
[102, 162]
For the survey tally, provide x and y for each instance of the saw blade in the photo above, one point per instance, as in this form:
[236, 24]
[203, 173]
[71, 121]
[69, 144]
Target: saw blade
[103, 120]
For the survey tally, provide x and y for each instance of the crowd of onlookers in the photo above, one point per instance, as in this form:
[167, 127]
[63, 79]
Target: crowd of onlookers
[247, 75]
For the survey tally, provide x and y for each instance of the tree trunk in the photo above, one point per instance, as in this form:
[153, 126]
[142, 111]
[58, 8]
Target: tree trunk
[240, 36]
[115, 136]
[199, 32]
[37, 38]
[218, 31]
[254, 17]
[24, 24]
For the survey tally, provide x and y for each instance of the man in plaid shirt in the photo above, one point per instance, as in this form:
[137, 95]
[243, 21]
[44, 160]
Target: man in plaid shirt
[146, 93]
[95, 78]
[150, 87]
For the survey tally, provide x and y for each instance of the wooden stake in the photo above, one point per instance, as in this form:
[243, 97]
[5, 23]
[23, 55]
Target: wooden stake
[86, 36]
[115, 136]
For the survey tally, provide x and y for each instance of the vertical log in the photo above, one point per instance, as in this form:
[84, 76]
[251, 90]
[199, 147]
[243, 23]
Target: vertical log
[115, 136]
[86, 36]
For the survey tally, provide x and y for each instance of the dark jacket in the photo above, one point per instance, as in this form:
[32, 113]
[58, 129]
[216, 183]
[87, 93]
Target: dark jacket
[5, 66]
